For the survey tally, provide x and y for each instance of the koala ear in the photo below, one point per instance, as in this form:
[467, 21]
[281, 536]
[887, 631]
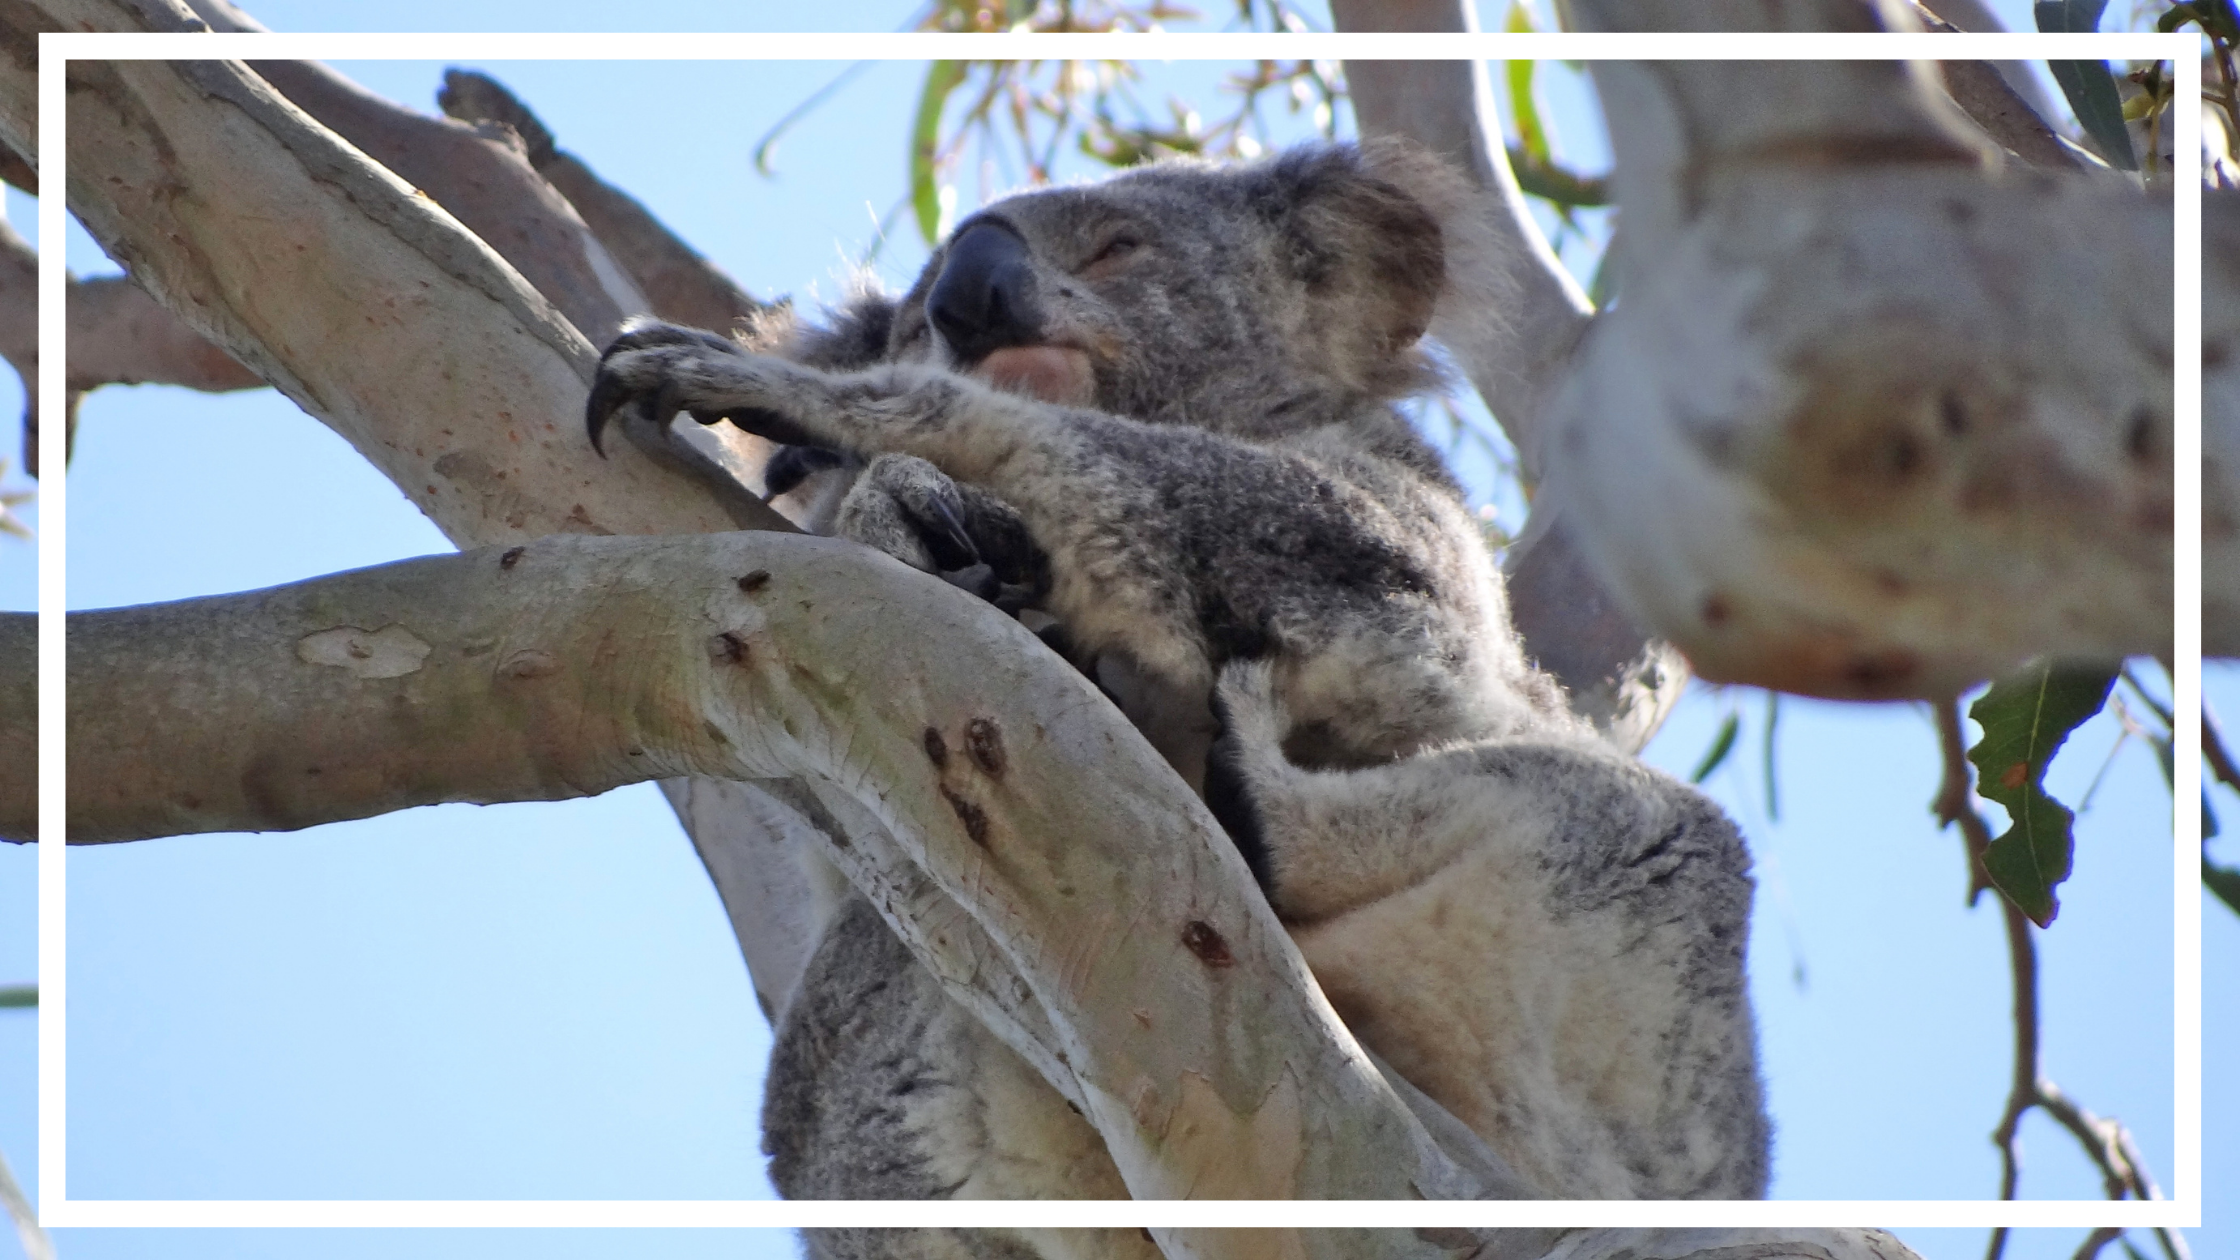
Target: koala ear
[1371, 255]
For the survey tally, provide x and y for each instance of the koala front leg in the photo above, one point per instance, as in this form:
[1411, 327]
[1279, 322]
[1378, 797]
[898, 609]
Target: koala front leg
[1325, 841]
[657, 370]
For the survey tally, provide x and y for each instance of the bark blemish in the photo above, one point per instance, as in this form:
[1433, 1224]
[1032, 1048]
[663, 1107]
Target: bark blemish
[1880, 673]
[974, 818]
[937, 748]
[984, 740]
[1199, 938]
[529, 663]
[1953, 412]
[727, 649]
[2139, 438]
[390, 652]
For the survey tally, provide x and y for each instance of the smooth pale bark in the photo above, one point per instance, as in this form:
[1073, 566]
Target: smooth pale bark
[1176, 1012]
[1877, 418]
[118, 335]
[685, 287]
[358, 298]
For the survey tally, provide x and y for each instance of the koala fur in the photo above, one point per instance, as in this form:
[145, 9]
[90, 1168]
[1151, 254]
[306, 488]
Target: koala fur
[1573, 926]
[1159, 409]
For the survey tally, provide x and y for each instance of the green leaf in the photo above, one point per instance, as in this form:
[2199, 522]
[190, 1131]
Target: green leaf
[18, 995]
[2025, 718]
[942, 78]
[1721, 745]
[1773, 719]
[1531, 136]
[2081, 17]
[2224, 881]
[2091, 89]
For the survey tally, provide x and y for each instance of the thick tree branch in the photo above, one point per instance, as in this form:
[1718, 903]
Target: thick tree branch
[1178, 1015]
[1876, 418]
[408, 370]
[484, 179]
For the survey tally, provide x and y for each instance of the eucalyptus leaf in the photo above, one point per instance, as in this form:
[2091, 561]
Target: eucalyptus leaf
[2224, 881]
[2025, 718]
[1721, 745]
[2089, 87]
[942, 78]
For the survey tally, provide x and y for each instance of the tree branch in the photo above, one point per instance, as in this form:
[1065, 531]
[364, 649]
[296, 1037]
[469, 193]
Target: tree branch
[684, 287]
[2220, 423]
[448, 310]
[1179, 1017]
[1817, 446]
[1999, 97]
[118, 335]
[19, 330]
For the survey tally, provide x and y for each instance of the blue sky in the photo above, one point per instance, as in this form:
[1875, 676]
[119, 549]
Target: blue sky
[542, 1001]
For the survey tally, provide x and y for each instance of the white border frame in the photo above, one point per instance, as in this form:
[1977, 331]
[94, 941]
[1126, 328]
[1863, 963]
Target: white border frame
[2183, 1209]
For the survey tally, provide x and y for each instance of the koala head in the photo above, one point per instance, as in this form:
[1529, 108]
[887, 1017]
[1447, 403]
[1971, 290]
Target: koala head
[1256, 299]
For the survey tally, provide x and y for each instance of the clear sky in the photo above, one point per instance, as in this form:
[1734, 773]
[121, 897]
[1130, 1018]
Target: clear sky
[543, 1001]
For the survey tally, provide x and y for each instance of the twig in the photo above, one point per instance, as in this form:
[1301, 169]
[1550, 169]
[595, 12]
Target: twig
[1954, 792]
[2105, 1142]
[36, 1244]
[2212, 747]
[2097, 1239]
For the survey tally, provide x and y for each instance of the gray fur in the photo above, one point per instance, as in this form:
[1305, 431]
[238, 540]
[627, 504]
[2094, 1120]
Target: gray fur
[1574, 925]
[1211, 470]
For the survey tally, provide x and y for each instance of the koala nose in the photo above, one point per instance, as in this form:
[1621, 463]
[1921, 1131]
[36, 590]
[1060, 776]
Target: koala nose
[984, 299]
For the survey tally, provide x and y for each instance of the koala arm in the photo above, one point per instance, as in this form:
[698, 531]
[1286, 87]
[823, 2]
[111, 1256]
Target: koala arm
[1326, 841]
[964, 427]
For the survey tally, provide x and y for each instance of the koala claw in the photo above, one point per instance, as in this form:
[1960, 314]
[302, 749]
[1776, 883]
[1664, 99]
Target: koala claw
[639, 368]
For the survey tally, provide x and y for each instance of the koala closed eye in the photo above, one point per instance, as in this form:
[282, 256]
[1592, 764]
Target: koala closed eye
[1114, 251]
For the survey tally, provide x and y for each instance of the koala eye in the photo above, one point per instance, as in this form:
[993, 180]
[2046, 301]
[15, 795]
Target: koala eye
[1113, 251]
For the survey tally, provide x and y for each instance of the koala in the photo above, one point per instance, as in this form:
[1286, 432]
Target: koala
[1159, 411]
[1177, 385]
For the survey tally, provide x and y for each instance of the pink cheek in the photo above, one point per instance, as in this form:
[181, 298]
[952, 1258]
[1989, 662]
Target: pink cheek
[1056, 374]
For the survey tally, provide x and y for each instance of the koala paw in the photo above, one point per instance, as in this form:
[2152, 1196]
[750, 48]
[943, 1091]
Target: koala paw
[911, 510]
[655, 370]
